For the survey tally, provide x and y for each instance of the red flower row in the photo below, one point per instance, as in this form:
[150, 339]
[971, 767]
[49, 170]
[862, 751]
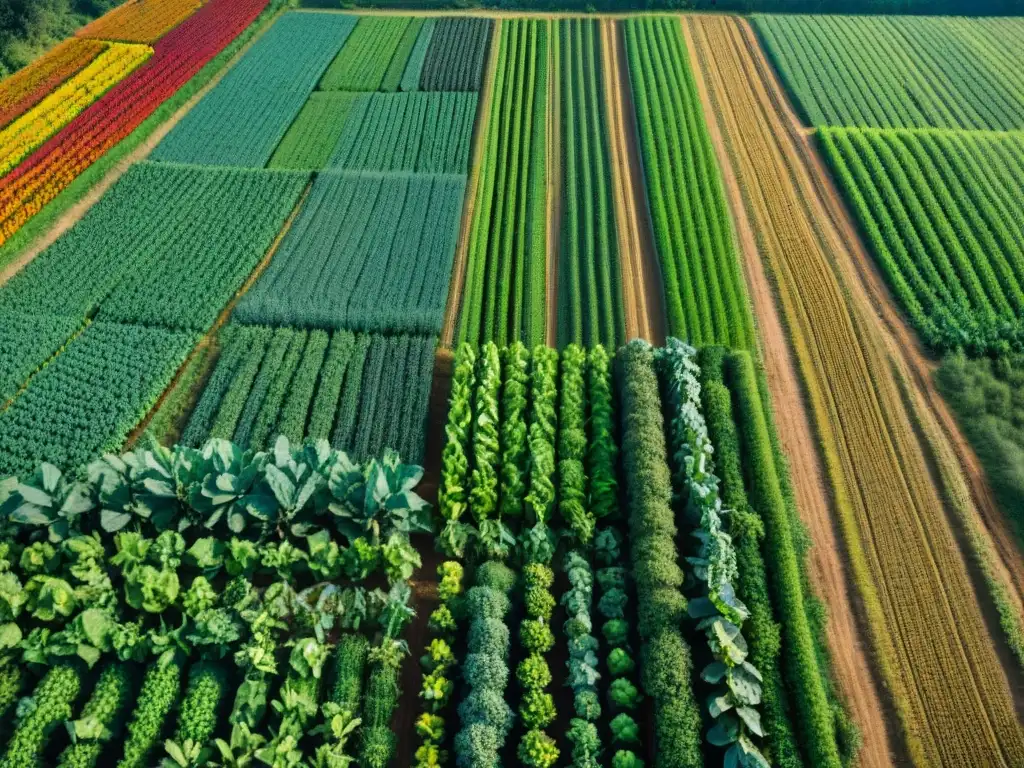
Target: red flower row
[177, 57]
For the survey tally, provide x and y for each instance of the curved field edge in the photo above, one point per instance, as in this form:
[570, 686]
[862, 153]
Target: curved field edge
[973, 716]
[46, 225]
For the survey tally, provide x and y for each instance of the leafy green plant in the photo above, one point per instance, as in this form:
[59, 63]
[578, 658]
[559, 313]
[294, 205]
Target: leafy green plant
[160, 688]
[537, 542]
[100, 718]
[50, 703]
[453, 492]
[733, 702]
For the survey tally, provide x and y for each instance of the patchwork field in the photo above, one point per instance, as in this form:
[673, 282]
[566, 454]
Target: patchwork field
[419, 389]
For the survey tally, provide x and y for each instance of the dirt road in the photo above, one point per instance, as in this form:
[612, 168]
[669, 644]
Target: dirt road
[857, 683]
[928, 638]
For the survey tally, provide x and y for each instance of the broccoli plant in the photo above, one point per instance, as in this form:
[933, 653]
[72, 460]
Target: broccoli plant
[50, 704]
[160, 688]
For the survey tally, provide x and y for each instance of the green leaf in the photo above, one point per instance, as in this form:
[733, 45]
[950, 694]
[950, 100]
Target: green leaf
[10, 635]
[725, 731]
[714, 672]
[702, 608]
[112, 521]
[752, 718]
[718, 703]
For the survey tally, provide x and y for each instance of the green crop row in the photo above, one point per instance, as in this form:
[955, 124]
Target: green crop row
[396, 69]
[364, 392]
[943, 72]
[168, 246]
[414, 66]
[315, 133]
[705, 298]
[423, 132]
[590, 303]
[366, 56]
[666, 666]
[943, 219]
[368, 252]
[504, 296]
[456, 56]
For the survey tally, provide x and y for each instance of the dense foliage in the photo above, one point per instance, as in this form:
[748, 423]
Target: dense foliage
[666, 668]
[367, 252]
[27, 342]
[242, 120]
[414, 66]
[89, 397]
[987, 397]
[26, 88]
[505, 298]
[704, 290]
[943, 219]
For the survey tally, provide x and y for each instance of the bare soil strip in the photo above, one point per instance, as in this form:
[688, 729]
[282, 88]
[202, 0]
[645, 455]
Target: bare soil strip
[857, 684]
[641, 274]
[863, 276]
[210, 336]
[74, 214]
[554, 181]
[483, 116]
[925, 617]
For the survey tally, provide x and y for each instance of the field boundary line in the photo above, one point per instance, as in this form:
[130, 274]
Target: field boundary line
[209, 337]
[74, 213]
[485, 104]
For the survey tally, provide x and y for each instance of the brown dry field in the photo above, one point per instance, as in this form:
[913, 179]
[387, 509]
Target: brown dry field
[929, 639]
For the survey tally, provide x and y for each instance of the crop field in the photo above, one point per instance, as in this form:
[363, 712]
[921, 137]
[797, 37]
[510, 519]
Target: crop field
[942, 220]
[244, 118]
[423, 132]
[368, 252]
[890, 514]
[144, 21]
[169, 245]
[362, 392]
[944, 73]
[507, 251]
[325, 439]
[177, 57]
[703, 283]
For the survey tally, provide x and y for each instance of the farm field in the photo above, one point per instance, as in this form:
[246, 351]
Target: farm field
[472, 388]
[850, 380]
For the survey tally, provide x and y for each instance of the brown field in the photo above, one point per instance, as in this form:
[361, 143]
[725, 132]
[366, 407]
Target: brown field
[935, 653]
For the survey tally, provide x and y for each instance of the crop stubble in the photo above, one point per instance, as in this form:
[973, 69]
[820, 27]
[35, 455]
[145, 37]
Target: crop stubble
[927, 632]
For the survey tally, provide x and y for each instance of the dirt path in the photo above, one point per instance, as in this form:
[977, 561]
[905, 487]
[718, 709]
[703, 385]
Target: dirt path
[925, 618]
[554, 180]
[850, 662]
[915, 364]
[642, 289]
[74, 214]
[483, 116]
[867, 283]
